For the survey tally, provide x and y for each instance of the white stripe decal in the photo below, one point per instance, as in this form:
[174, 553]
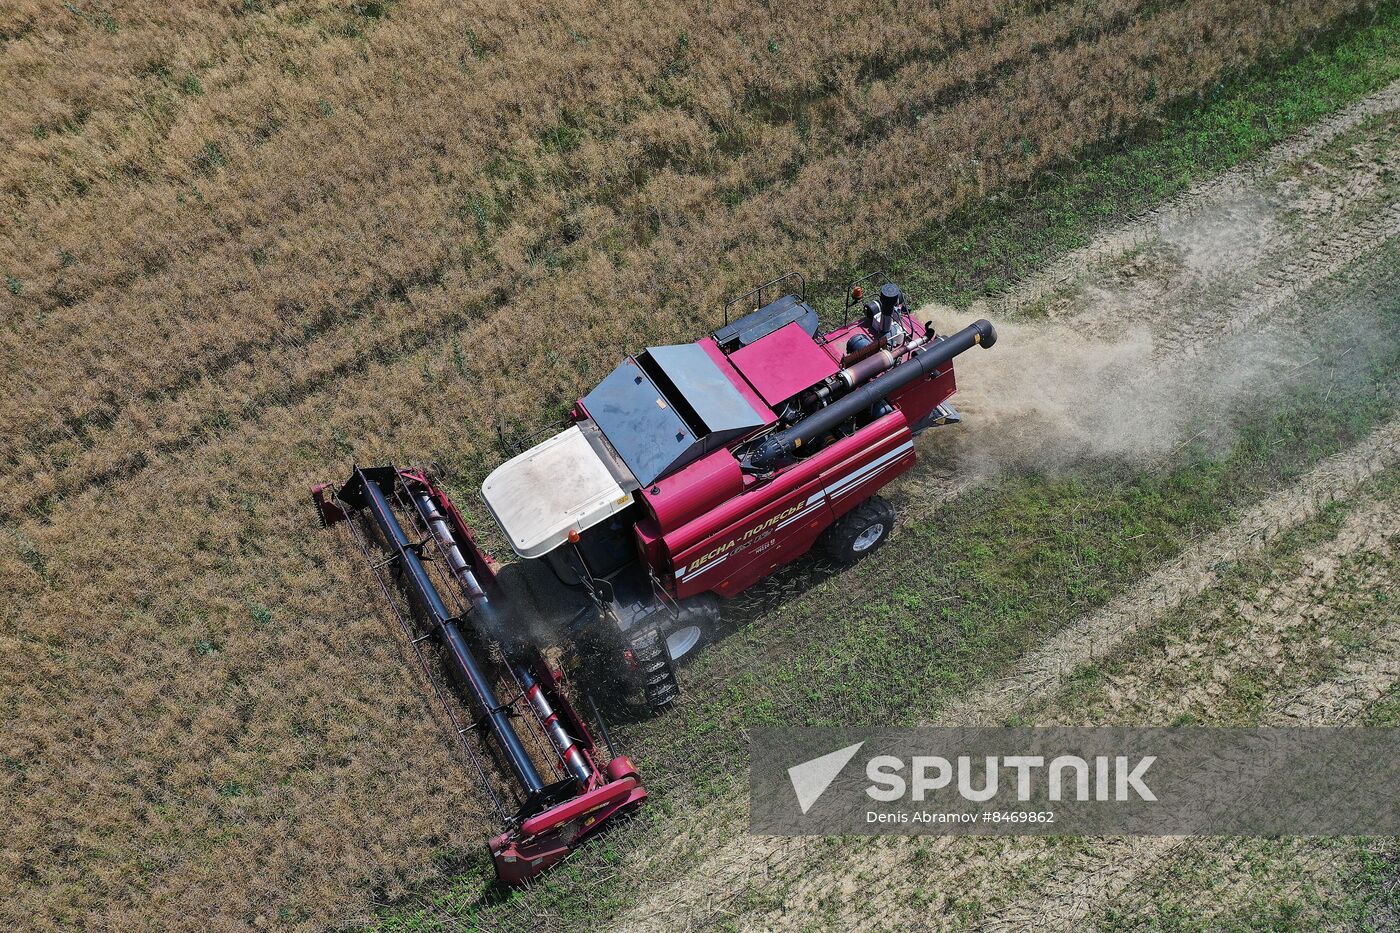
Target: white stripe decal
[844, 484]
[806, 510]
[872, 465]
[800, 515]
[859, 481]
[710, 566]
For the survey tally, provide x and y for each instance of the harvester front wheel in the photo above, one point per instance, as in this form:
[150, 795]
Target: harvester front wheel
[655, 669]
[859, 532]
[659, 651]
[694, 626]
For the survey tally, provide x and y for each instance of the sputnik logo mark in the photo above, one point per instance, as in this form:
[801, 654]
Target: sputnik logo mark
[811, 778]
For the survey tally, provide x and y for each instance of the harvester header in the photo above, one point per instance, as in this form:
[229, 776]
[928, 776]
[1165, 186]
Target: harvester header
[558, 790]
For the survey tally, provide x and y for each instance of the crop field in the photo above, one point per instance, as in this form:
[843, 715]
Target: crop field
[246, 244]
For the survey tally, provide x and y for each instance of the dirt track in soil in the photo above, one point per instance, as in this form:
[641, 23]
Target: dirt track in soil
[1224, 267]
[1037, 883]
[1304, 611]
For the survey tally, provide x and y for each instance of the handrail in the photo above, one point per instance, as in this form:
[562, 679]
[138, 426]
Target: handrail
[801, 292]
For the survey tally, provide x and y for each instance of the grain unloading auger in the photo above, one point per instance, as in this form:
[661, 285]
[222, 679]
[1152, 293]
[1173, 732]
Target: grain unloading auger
[687, 475]
[557, 792]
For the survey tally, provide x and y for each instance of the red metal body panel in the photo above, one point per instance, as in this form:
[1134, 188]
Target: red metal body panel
[740, 537]
[690, 492]
[922, 397]
[873, 463]
[545, 838]
[648, 534]
[777, 521]
[784, 363]
[711, 528]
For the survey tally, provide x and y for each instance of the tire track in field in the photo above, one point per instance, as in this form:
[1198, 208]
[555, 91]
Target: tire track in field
[719, 886]
[1218, 264]
[1079, 885]
[1262, 301]
[1218, 267]
[1077, 893]
[1047, 400]
[1113, 245]
[710, 871]
[1137, 309]
[1043, 672]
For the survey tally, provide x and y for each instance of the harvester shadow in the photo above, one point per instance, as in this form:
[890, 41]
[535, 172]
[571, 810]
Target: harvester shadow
[548, 611]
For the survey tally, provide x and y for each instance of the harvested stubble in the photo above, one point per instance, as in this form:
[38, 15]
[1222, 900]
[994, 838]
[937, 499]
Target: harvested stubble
[247, 242]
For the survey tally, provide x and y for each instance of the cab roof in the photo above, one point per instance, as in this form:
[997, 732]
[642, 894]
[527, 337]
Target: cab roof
[669, 406]
[566, 483]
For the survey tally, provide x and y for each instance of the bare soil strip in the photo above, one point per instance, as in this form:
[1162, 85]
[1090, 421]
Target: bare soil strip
[1190, 574]
[1297, 616]
[1060, 884]
[1222, 196]
[1087, 350]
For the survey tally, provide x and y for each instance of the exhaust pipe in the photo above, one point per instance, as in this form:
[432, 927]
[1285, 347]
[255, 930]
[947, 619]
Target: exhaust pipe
[890, 298]
[921, 363]
[866, 369]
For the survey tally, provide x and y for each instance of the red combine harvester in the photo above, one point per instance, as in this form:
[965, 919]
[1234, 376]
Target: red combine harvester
[688, 474]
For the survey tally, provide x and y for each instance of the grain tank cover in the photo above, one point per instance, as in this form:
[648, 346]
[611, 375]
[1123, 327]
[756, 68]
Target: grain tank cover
[783, 363]
[668, 407]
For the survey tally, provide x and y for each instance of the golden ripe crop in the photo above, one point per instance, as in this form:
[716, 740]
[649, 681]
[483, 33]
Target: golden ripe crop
[247, 242]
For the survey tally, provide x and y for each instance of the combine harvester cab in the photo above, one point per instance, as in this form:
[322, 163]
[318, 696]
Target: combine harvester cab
[693, 471]
[546, 778]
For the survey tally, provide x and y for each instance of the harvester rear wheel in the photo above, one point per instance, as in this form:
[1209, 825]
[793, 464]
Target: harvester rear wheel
[859, 532]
